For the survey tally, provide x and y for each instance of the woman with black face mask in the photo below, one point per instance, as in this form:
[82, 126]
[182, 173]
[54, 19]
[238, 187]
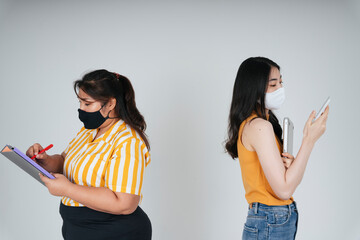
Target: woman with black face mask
[100, 174]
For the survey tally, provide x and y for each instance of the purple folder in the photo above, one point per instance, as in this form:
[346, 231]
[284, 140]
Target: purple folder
[25, 163]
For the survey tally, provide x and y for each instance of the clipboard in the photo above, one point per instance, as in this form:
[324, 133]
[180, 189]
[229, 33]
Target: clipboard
[25, 163]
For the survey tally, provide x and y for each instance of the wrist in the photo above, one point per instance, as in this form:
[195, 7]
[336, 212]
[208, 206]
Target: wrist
[307, 141]
[69, 189]
[42, 161]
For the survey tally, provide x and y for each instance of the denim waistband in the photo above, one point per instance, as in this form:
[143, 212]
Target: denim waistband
[265, 207]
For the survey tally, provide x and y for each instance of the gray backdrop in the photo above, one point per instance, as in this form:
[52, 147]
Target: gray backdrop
[182, 58]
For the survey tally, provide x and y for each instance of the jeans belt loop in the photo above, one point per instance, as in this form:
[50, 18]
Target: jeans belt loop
[289, 209]
[256, 207]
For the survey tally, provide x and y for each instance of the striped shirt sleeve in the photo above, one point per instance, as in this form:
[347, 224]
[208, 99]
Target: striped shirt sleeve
[73, 140]
[125, 170]
[67, 148]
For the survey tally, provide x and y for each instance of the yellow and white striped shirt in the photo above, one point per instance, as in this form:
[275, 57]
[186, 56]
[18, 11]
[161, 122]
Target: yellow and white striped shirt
[116, 160]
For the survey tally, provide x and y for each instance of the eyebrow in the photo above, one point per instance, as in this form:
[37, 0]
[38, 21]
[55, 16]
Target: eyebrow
[275, 79]
[85, 99]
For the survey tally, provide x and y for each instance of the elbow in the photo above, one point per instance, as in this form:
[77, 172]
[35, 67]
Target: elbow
[124, 209]
[284, 195]
[124, 204]
[128, 211]
[283, 191]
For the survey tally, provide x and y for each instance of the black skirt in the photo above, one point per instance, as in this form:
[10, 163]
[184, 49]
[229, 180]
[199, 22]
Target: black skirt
[84, 223]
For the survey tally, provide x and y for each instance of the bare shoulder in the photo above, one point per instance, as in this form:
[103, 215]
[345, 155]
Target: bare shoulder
[258, 133]
[259, 129]
[255, 132]
[259, 125]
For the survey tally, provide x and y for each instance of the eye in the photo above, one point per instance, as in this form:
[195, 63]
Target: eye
[85, 103]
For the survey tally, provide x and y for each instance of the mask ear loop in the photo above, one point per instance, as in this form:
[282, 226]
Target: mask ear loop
[107, 117]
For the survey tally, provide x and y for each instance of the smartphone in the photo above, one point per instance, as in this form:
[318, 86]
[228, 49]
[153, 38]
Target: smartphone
[322, 109]
[288, 136]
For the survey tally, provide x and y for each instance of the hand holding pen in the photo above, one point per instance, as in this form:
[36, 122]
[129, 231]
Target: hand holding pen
[37, 152]
[42, 151]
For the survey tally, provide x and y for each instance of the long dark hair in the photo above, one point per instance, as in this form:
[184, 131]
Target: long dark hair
[249, 96]
[103, 85]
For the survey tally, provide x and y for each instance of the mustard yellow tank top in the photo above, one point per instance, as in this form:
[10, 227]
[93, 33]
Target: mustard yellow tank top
[257, 188]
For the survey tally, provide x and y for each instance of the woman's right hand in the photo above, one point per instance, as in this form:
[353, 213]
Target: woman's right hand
[314, 130]
[34, 150]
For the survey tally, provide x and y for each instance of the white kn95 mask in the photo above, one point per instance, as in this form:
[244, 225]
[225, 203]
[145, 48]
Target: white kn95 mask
[275, 99]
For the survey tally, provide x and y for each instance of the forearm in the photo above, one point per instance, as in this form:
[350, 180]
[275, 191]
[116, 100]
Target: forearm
[295, 172]
[100, 199]
[54, 163]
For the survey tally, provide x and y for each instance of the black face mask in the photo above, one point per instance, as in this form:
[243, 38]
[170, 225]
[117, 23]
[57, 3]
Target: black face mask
[92, 120]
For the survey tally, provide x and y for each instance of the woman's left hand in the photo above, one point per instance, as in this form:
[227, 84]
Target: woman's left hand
[58, 186]
[287, 159]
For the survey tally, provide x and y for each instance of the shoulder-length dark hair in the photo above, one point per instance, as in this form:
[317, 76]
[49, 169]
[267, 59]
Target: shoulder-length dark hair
[103, 85]
[249, 96]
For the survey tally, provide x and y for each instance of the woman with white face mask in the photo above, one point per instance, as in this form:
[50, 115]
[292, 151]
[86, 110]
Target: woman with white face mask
[270, 176]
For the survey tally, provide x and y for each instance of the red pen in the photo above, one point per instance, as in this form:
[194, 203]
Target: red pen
[45, 149]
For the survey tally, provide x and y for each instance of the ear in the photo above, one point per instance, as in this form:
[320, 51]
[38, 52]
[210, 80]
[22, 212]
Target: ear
[111, 103]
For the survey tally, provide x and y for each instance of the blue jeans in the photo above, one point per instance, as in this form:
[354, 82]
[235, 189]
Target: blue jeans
[271, 222]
